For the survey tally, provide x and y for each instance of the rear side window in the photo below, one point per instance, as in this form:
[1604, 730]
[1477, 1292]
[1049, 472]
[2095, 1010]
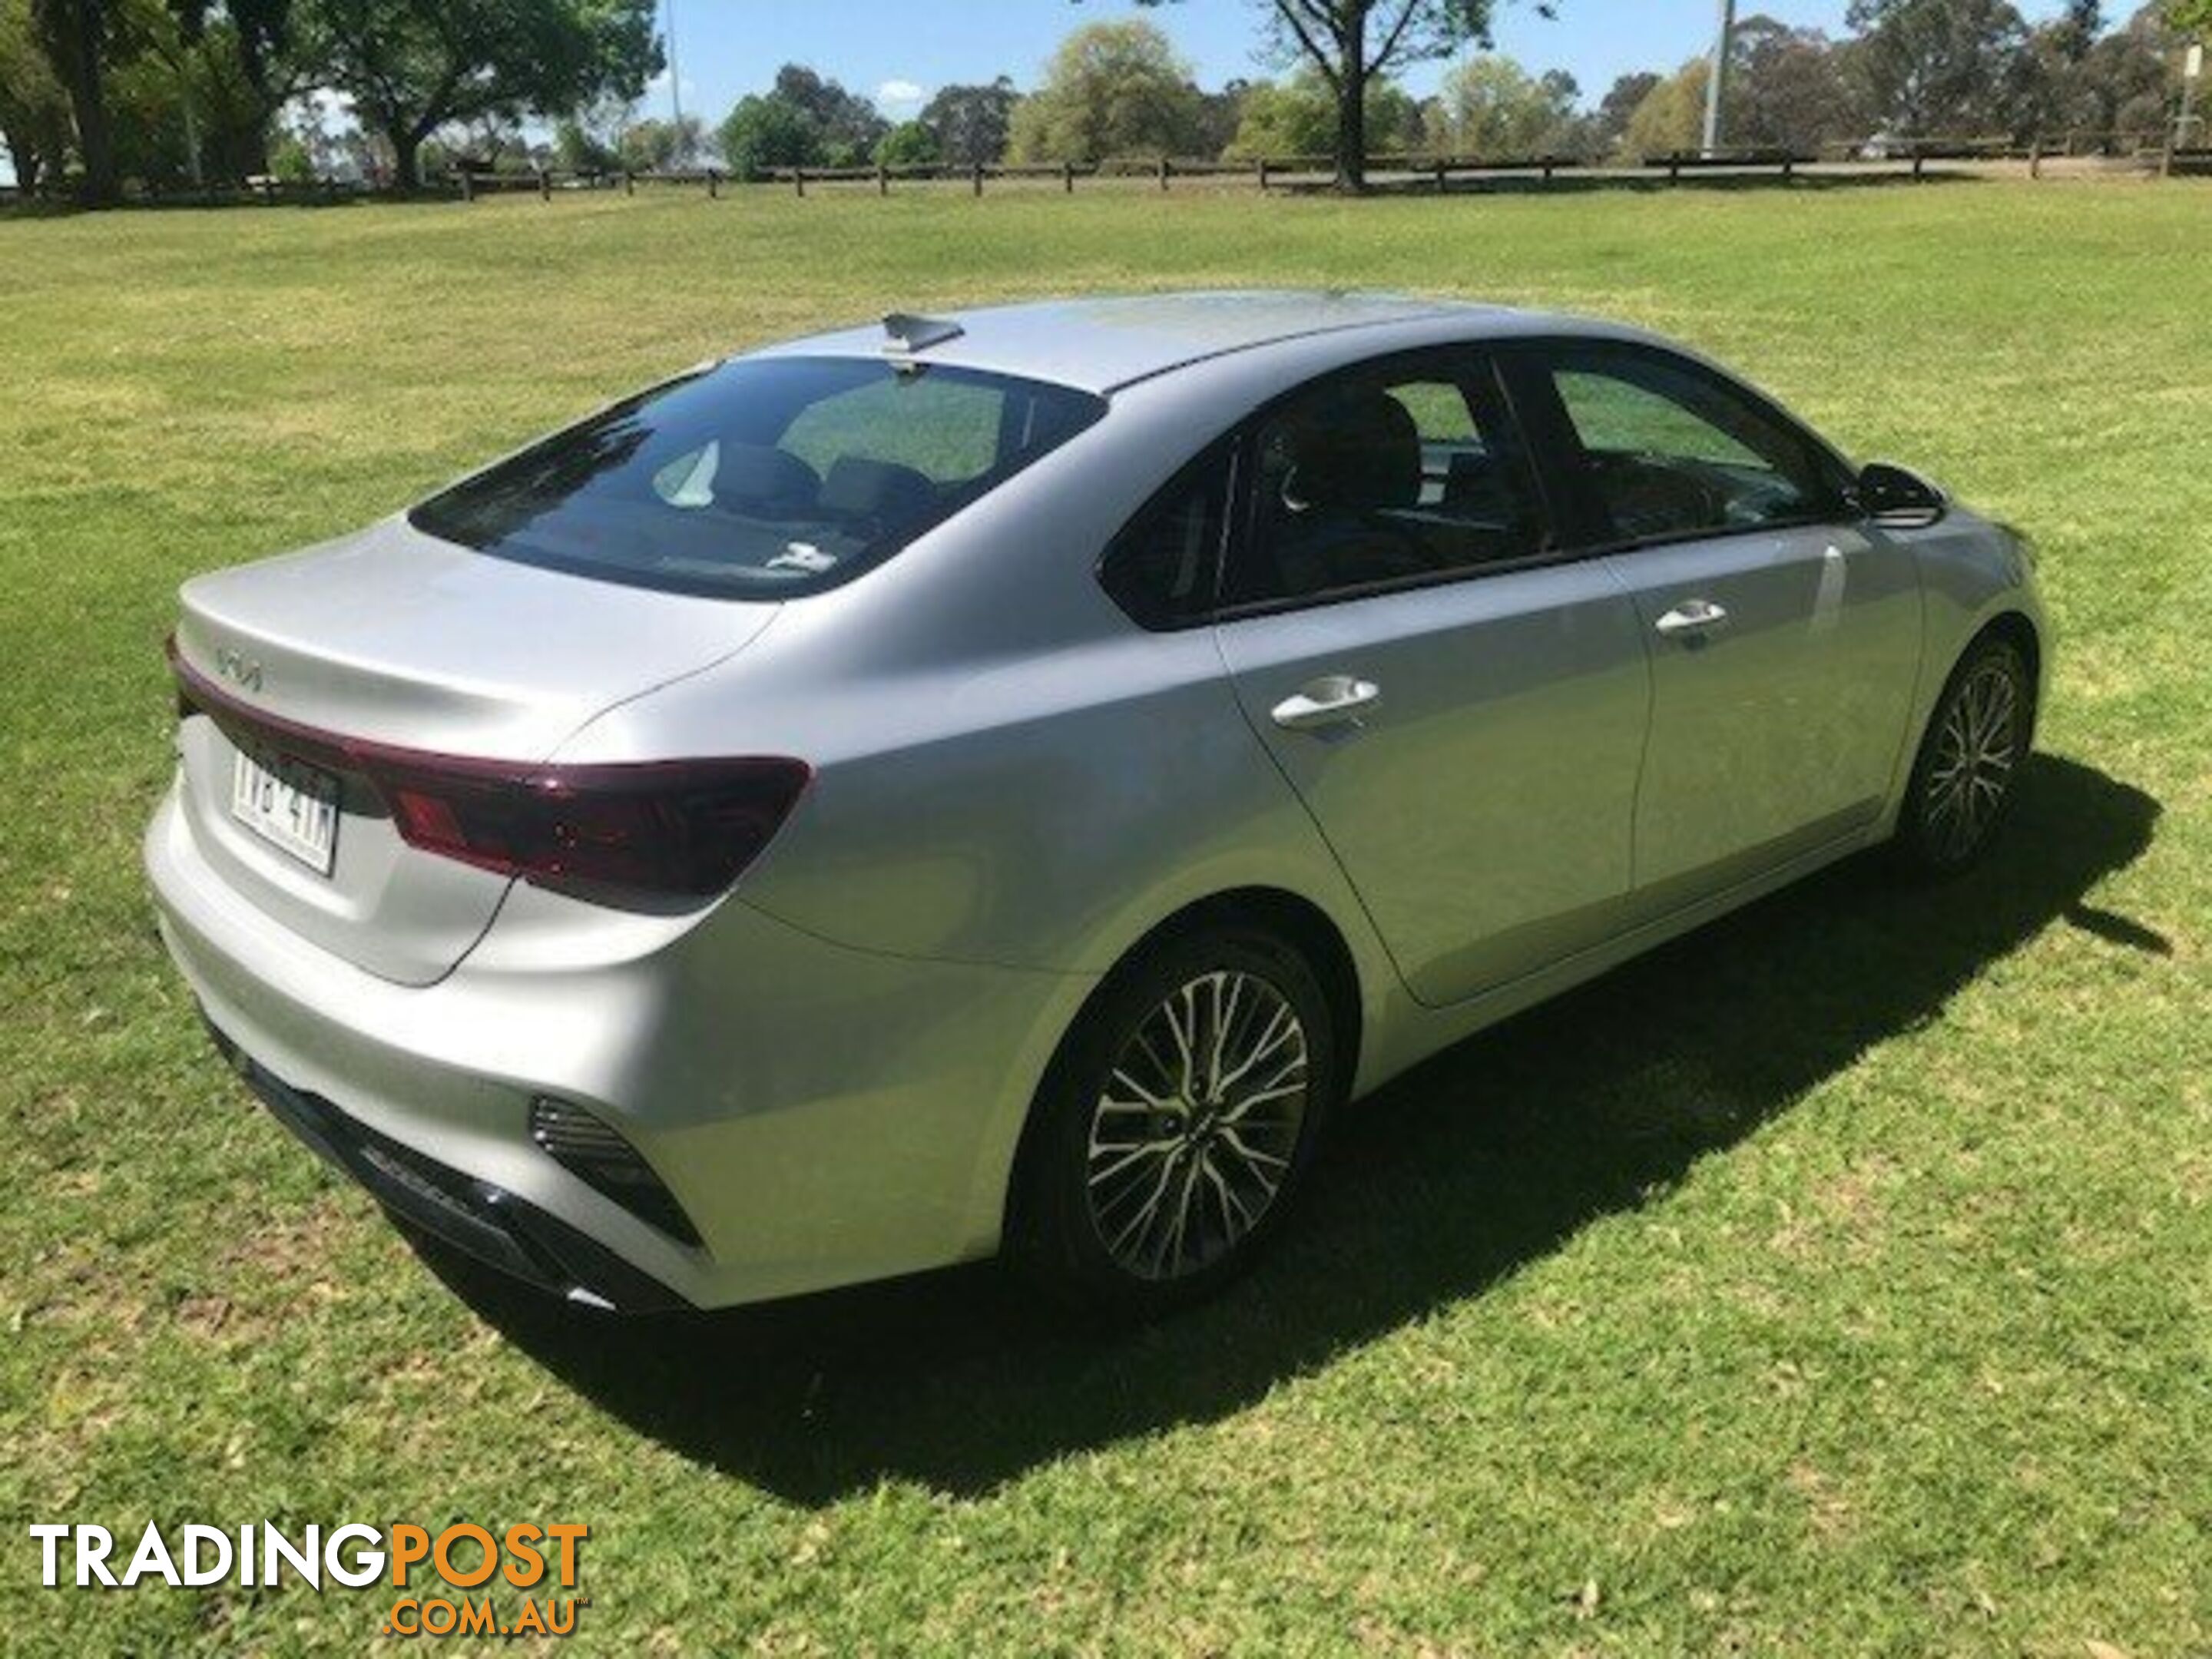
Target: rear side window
[1394, 473]
[1665, 451]
[766, 478]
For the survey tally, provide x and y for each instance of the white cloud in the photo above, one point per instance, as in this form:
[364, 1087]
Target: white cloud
[901, 98]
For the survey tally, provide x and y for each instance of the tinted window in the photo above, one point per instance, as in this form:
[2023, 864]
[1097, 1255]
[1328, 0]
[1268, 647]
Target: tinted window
[764, 477]
[1668, 451]
[1390, 475]
[1164, 569]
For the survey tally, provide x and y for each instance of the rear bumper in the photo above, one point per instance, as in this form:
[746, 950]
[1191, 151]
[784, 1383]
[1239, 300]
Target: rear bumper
[823, 1115]
[474, 1217]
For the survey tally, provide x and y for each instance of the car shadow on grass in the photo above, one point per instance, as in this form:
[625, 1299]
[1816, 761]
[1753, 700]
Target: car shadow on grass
[1480, 1160]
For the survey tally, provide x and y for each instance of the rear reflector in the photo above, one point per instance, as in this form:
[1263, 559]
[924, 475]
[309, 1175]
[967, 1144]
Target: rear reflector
[687, 827]
[602, 1160]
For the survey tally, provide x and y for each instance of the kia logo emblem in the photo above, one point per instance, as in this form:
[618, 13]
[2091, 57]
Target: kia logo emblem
[240, 669]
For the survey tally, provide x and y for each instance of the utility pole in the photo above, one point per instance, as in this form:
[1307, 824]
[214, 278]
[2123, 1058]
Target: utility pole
[681, 153]
[2192, 72]
[1716, 79]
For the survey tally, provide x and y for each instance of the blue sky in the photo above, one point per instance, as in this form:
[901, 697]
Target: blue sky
[895, 50]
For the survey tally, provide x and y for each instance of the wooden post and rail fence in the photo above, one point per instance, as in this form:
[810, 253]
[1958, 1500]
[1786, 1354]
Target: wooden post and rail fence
[1883, 156]
[1908, 156]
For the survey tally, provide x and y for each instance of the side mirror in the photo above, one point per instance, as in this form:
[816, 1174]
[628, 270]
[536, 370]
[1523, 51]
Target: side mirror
[1898, 500]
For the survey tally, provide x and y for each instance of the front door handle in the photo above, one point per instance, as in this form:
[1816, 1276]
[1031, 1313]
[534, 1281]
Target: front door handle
[1326, 701]
[1692, 617]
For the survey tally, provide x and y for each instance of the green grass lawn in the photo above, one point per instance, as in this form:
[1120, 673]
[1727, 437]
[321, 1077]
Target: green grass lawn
[1837, 1281]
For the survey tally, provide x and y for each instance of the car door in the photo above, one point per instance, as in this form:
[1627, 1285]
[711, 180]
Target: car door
[1784, 634]
[1461, 712]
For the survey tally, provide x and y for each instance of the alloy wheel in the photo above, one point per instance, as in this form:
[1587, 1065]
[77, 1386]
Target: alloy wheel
[1976, 749]
[1196, 1128]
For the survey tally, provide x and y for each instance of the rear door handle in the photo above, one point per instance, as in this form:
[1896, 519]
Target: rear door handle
[1693, 616]
[1328, 701]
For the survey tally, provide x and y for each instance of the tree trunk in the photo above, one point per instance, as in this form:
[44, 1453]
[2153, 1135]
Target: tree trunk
[84, 25]
[1352, 135]
[253, 142]
[406, 158]
[252, 148]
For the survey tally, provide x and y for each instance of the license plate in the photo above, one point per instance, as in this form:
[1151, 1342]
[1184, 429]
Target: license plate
[288, 804]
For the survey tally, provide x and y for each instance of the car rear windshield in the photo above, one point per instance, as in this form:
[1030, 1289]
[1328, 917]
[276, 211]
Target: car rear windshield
[764, 477]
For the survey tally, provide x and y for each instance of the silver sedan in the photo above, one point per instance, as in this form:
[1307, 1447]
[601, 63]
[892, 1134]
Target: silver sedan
[998, 783]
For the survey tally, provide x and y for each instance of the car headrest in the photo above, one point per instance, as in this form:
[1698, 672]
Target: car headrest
[860, 487]
[762, 478]
[1359, 450]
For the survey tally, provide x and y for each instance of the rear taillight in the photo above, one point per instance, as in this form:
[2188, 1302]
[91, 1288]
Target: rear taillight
[687, 827]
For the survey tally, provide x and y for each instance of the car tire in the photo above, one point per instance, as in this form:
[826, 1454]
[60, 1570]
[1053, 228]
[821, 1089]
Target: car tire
[1964, 777]
[1177, 1124]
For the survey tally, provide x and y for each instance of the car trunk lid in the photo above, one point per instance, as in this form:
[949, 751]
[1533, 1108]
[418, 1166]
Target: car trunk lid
[395, 640]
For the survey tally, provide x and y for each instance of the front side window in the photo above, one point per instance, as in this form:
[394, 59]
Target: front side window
[1664, 451]
[1394, 473]
[763, 477]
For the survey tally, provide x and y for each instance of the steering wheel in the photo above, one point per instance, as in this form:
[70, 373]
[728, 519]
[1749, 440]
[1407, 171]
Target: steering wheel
[1644, 493]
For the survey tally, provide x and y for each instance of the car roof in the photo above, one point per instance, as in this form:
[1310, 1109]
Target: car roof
[1100, 344]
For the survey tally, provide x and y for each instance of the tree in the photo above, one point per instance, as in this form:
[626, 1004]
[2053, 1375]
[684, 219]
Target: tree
[1284, 119]
[2076, 29]
[412, 66]
[1609, 124]
[1926, 66]
[1354, 43]
[972, 122]
[256, 37]
[1297, 118]
[156, 135]
[2083, 79]
[34, 110]
[908, 144]
[1111, 89]
[803, 121]
[2128, 76]
[656, 146]
[195, 87]
[579, 150]
[765, 131]
[849, 126]
[1671, 116]
[1787, 89]
[588, 138]
[1219, 115]
[490, 143]
[2190, 16]
[1490, 106]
